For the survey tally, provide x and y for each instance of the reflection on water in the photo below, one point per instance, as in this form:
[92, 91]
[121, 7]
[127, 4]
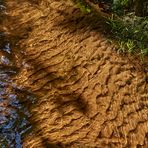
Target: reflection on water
[13, 115]
[13, 111]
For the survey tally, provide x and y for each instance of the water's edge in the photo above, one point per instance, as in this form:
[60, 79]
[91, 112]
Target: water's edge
[14, 113]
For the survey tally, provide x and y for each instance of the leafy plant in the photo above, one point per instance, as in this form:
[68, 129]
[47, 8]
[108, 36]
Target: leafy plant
[84, 7]
[131, 33]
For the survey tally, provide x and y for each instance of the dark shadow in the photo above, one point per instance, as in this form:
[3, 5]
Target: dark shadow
[35, 2]
[72, 99]
[78, 20]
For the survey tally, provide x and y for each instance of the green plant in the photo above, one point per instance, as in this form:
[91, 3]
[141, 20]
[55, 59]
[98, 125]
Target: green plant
[84, 7]
[130, 46]
[131, 32]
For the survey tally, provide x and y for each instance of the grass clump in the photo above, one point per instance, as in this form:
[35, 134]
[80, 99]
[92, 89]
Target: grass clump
[131, 33]
[127, 29]
[84, 7]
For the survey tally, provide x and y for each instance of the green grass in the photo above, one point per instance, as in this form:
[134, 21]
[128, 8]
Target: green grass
[131, 34]
[83, 6]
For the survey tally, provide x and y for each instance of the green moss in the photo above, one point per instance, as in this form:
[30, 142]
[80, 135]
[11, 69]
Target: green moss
[131, 32]
[83, 6]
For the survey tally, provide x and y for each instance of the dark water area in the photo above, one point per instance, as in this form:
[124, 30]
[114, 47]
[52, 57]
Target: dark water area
[14, 114]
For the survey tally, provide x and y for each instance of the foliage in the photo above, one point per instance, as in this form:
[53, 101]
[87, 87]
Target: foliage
[130, 31]
[122, 7]
[84, 7]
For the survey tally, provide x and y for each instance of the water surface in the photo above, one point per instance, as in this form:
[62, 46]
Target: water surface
[14, 112]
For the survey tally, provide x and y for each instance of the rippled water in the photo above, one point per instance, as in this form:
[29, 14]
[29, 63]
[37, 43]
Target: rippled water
[14, 112]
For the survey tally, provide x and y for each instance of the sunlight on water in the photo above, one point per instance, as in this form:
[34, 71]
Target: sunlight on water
[13, 112]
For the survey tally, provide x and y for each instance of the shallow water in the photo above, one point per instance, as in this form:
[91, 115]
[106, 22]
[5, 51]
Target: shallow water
[14, 113]
[86, 94]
